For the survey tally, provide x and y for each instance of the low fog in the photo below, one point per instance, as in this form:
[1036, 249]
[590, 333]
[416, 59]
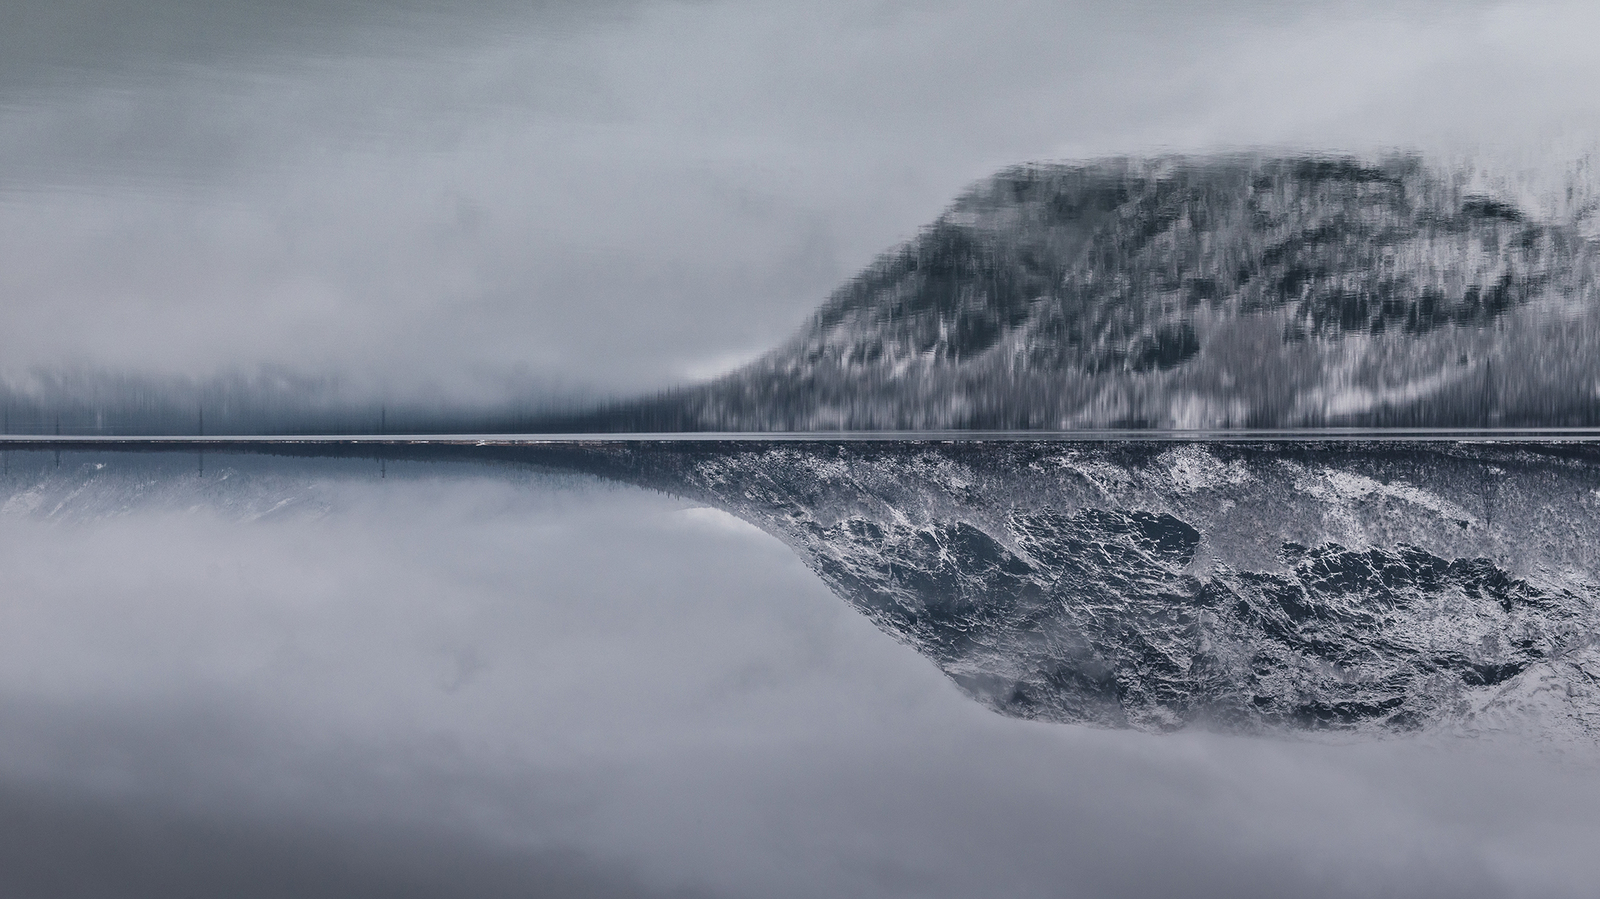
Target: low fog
[444, 203]
[327, 679]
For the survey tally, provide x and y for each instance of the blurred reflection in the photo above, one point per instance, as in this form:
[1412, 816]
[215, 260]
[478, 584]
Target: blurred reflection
[484, 671]
[1360, 587]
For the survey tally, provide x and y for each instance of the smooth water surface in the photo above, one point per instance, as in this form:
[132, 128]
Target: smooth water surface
[343, 677]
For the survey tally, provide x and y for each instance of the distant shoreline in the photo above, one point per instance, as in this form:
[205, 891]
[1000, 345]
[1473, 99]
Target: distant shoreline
[1141, 435]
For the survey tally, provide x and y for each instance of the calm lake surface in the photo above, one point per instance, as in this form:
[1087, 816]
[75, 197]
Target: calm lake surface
[353, 676]
[801, 668]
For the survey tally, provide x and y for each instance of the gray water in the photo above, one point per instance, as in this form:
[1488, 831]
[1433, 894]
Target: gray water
[347, 676]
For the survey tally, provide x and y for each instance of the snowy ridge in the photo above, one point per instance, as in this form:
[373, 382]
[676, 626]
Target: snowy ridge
[1195, 292]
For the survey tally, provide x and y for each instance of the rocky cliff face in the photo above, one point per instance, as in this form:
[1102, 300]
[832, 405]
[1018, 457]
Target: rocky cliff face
[1210, 292]
[1363, 588]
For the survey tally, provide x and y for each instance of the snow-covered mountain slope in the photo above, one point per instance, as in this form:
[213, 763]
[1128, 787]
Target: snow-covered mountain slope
[1356, 587]
[1195, 292]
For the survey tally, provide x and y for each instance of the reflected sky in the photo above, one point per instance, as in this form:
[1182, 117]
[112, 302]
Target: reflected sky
[459, 680]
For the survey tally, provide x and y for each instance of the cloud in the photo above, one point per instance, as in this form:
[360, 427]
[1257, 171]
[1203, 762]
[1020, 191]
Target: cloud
[570, 197]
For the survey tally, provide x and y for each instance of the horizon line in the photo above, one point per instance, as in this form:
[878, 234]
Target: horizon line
[1097, 435]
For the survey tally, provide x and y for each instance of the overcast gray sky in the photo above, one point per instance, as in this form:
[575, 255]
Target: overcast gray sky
[612, 196]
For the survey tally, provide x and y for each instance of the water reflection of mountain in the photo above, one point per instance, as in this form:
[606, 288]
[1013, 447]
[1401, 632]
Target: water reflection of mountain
[1348, 587]
[1361, 587]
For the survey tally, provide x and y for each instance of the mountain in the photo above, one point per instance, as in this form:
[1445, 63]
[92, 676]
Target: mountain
[1357, 588]
[1211, 292]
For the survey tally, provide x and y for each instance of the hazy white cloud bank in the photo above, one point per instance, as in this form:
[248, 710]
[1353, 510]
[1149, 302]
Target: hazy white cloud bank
[422, 198]
[459, 683]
